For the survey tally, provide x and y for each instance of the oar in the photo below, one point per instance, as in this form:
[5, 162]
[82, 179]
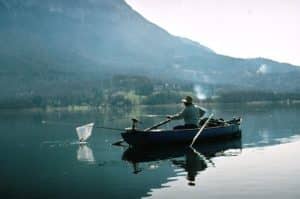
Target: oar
[201, 129]
[203, 156]
[158, 125]
[119, 143]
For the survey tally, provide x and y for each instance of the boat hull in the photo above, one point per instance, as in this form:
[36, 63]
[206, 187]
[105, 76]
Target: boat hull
[162, 137]
[136, 154]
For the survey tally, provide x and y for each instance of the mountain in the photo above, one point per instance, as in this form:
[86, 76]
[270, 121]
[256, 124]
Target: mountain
[58, 47]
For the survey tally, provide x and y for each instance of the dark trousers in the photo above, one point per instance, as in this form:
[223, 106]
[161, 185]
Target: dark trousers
[186, 126]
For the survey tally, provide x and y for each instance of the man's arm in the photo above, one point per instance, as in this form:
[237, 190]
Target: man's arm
[201, 112]
[177, 116]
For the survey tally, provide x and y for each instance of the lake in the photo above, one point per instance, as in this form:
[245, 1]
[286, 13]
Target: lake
[41, 157]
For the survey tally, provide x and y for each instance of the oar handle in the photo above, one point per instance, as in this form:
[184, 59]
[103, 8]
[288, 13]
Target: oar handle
[158, 125]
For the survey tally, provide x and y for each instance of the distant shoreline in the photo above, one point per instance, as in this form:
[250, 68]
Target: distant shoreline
[84, 108]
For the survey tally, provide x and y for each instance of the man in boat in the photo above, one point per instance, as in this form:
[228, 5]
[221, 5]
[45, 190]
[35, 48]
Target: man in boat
[191, 114]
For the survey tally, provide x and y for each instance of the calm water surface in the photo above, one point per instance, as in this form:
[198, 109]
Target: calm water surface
[44, 160]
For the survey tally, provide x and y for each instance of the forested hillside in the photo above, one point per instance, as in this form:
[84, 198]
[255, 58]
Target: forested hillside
[56, 51]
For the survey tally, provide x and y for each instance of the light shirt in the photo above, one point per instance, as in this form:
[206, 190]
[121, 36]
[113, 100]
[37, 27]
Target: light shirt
[191, 114]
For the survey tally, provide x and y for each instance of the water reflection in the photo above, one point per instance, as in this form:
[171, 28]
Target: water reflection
[193, 163]
[192, 160]
[85, 154]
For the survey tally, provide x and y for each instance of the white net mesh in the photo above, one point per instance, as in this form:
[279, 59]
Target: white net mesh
[84, 132]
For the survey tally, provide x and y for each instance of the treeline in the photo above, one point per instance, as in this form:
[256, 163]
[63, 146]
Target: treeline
[255, 96]
[127, 91]
[136, 90]
[119, 90]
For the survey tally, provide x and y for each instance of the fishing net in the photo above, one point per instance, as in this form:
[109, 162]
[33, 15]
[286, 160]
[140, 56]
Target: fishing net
[84, 132]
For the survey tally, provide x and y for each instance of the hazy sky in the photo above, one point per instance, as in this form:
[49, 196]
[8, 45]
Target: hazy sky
[239, 28]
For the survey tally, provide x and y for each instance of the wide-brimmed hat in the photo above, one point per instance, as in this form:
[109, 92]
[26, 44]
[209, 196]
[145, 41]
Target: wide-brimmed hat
[188, 100]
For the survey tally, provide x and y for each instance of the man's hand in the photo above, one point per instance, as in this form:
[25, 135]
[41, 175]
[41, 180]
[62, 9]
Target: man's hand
[169, 117]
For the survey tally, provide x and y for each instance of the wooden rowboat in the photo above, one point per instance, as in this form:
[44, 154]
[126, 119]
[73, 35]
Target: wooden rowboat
[136, 137]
